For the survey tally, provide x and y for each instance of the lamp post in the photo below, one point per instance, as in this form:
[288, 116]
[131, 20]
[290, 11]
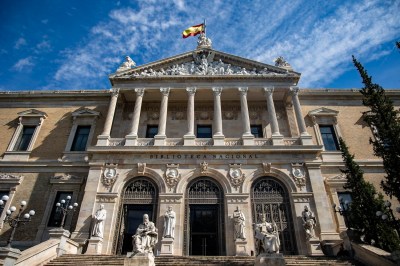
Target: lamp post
[64, 207]
[390, 218]
[344, 210]
[17, 219]
[3, 202]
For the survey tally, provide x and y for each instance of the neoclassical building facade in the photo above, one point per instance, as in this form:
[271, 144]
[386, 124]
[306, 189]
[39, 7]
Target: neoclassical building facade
[202, 132]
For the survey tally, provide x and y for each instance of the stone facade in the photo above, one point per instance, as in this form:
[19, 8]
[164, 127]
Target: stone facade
[204, 180]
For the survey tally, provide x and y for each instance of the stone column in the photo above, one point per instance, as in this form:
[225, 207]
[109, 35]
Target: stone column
[323, 206]
[159, 139]
[102, 140]
[247, 137]
[131, 138]
[306, 139]
[189, 138]
[277, 138]
[218, 136]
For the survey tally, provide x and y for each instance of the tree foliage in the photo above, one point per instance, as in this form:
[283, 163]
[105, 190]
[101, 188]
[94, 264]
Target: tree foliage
[385, 123]
[365, 203]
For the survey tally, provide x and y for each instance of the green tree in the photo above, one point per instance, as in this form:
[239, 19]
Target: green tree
[385, 124]
[364, 205]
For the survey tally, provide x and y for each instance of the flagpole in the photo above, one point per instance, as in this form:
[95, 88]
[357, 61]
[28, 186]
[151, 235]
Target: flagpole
[205, 27]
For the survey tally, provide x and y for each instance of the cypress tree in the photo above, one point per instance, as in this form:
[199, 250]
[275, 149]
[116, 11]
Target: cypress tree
[385, 124]
[364, 205]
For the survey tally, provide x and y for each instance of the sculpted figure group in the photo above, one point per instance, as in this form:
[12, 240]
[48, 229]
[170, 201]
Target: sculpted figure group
[145, 238]
[267, 237]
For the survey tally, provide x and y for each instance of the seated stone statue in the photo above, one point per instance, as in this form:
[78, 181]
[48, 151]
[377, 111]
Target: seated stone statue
[146, 237]
[267, 237]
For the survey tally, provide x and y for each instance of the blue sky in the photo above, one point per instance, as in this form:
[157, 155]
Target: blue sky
[75, 44]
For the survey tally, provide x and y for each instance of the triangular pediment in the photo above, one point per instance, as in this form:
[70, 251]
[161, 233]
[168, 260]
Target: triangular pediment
[32, 113]
[202, 63]
[85, 112]
[323, 112]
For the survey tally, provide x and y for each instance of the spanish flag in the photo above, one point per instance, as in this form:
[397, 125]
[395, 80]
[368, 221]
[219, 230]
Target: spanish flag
[193, 31]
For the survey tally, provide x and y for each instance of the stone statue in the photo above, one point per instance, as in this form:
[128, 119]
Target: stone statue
[267, 237]
[127, 64]
[309, 222]
[99, 218]
[169, 223]
[239, 223]
[146, 237]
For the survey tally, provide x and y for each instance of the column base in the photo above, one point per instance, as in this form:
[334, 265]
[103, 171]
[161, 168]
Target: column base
[241, 247]
[58, 233]
[102, 140]
[219, 140]
[9, 256]
[131, 140]
[277, 139]
[306, 139]
[248, 140]
[159, 140]
[167, 246]
[189, 140]
[94, 245]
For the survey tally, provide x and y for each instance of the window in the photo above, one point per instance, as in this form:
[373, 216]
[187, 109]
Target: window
[329, 137]
[345, 202]
[151, 131]
[24, 138]
[204, 131]
[256, 131]
[81, 138]
[56, 215]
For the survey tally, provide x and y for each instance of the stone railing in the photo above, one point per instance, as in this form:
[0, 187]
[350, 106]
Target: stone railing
[145, 142]
[262, 142]
[116, 142]
[233, 142]
[174, 142]
[291, 141]
[204, 142]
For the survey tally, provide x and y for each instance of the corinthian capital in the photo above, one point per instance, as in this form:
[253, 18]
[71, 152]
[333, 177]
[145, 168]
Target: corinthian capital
[165, 91]
[114, 92]
[268, 90]
[243, 90]
[191, 90]
[294, 90]
[139, 91]
[217, 91]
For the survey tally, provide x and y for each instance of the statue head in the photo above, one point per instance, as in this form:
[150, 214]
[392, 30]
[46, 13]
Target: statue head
[101, 206]
[170, 208]
[146, 218]
[306, 208]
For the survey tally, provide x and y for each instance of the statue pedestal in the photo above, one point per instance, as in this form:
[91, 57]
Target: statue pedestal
[274, 259]
[314, 247]
[9, 256]
[94, 245]
[140, 260]
[241, 247]
[167, 246]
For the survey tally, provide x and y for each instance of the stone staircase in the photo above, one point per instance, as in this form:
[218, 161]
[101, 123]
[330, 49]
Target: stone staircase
[109, 260]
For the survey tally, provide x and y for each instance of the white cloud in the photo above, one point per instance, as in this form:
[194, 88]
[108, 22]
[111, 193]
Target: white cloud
[19, 43]
[24, 64]
[317, 39]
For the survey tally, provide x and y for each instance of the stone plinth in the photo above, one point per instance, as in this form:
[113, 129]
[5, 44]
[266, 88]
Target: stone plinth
[8, 256]
[248, 140]
[277, 140]
[63, 235]
[189, 140]
[314, 247]
[219, 140]
[167, 246]
[94, 245]
[131, 140]
[139, 260]
[159, 140]
[270, 260]
[241, 247]
[102, 140]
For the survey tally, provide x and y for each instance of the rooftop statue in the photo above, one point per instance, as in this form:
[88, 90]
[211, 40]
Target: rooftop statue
[281, 62]
[127, 64]
[203, 41]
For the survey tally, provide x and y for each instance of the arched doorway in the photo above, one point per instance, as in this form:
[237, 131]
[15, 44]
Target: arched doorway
[269, 197]
[204, 219]
[139, 197]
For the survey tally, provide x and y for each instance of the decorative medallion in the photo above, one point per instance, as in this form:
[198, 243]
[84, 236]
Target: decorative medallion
[299, 174]
[109, 175]
[236, 174]
[203, 167]
[141, 168]
[172, 175]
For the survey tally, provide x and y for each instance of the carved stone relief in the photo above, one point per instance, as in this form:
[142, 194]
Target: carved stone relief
[172, 175]
[298, 174]
[236, 174]
[203, 167]
[109, 175]
[141, 168]
[267, 168]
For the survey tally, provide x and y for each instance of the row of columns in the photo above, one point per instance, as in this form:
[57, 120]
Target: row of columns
[218, 136]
